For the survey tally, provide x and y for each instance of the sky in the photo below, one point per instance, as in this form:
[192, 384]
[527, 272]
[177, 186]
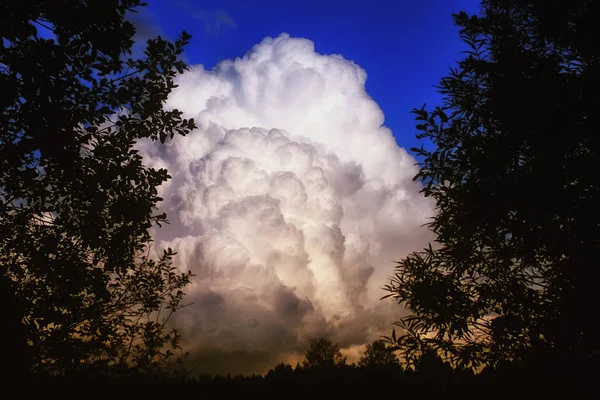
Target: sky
[405, 46]
[294, 195]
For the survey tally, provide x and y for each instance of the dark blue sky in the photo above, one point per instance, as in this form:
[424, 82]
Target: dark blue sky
[405, 46]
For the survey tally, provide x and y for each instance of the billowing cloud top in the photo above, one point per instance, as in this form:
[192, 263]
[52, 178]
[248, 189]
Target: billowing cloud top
[289, 203]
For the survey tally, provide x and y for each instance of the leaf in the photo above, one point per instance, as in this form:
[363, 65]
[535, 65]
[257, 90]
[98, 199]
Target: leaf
[86, 276]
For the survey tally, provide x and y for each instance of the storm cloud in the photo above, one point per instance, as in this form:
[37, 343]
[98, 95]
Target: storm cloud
[289, 203]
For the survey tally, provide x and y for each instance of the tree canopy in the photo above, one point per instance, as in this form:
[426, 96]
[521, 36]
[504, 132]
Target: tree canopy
[378, 353]
[76, 200]
[514, 143]
[322, 353]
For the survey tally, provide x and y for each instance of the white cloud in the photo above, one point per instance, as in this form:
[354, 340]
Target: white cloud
[289, 203]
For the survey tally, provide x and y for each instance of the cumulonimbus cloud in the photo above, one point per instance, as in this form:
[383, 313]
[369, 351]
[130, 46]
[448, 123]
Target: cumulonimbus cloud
[288, 203]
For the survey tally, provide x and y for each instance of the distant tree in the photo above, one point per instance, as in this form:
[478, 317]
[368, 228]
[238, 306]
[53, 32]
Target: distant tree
[322, 353]
[282, 367]
[431, 369]
[281, 372]
[76, 201]
[378, 353]
[518, 207]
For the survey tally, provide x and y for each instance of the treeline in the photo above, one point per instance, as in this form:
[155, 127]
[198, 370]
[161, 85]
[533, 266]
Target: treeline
[325, 367]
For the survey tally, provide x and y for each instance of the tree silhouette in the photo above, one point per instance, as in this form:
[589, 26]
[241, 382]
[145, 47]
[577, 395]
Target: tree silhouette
[76, 201]
[378, 353]
[322, 353]
[517, 207]
[280, 373]
[431, 369]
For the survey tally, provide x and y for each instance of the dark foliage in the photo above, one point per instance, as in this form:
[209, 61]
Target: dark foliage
[429, 375]
[512, 278]
[322, 353]
[378, 353]
[432, 376]
[76, 202]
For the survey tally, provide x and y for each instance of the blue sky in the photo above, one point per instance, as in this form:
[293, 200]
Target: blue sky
[405, 46]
